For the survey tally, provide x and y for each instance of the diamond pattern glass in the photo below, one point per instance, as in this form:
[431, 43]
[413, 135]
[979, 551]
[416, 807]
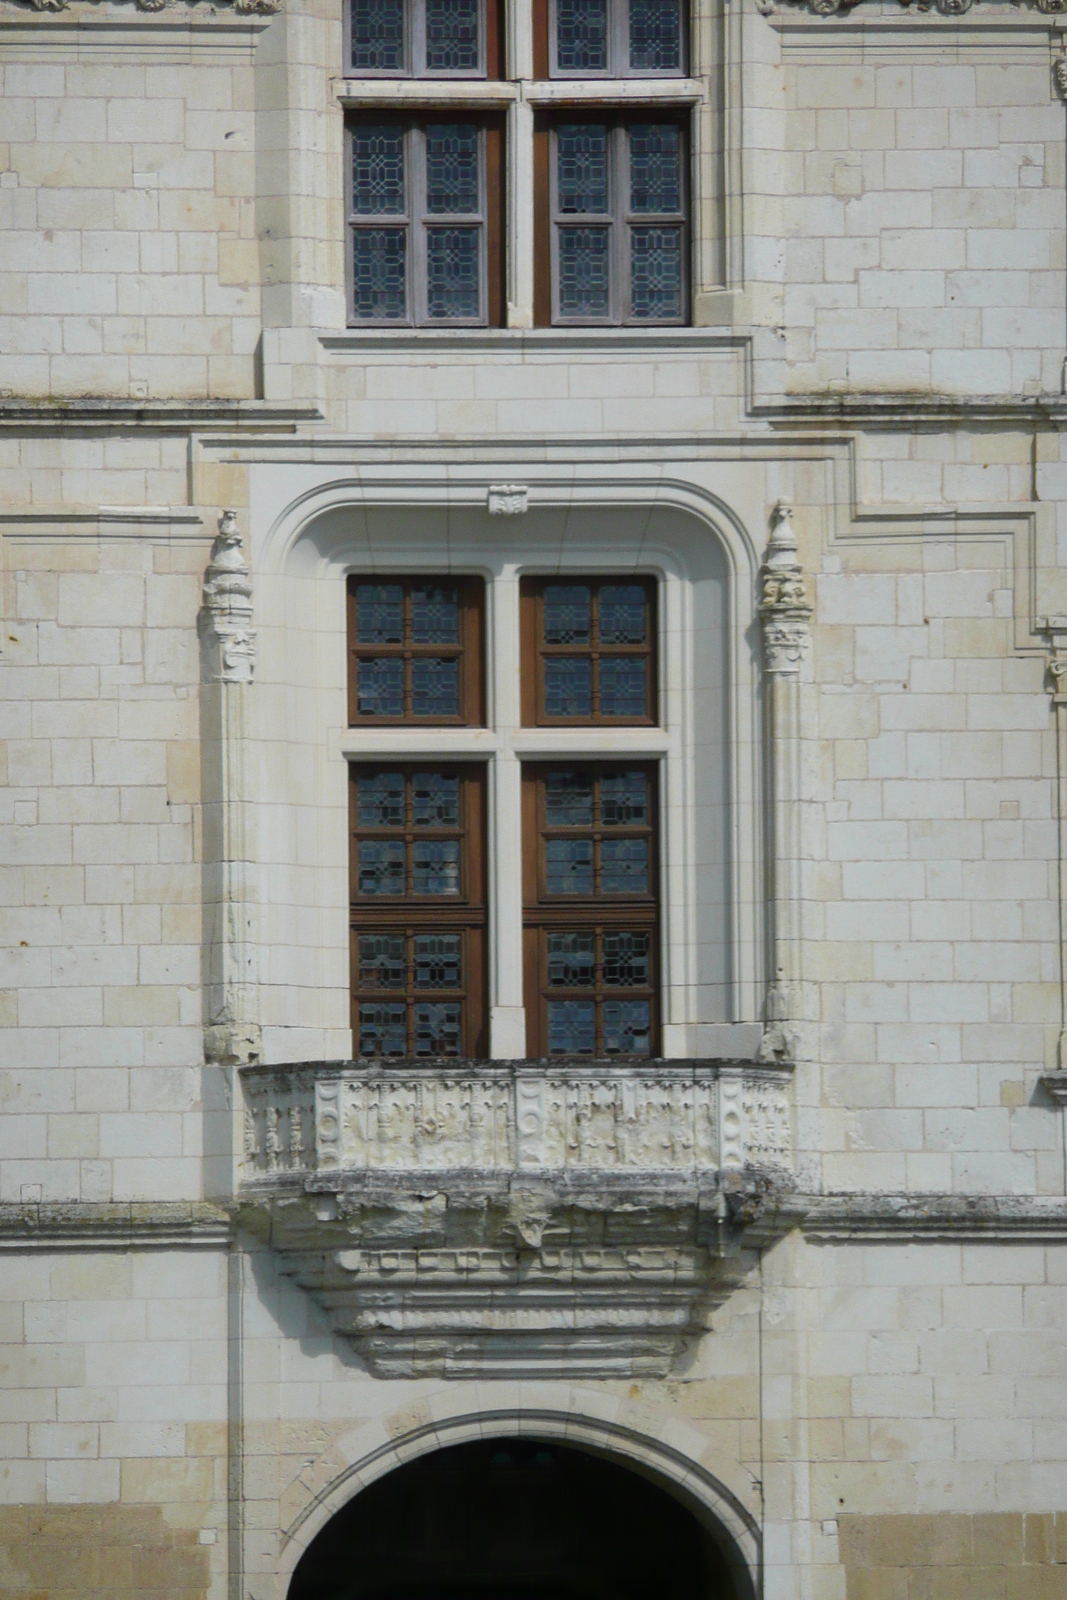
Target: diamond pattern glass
[377, 35]
[379, 274]
[622, 613]
[624, 866]
[434, 687]
[626, 1027]
[655, 274]
[434, 616]
[382, 1030]
[436, 866]
[623, 799]
[435, 800]
[380, 799]
[582, 168]
[622, 686]
[451, 35]
[571, 1027]
[655, 169]
[655, 36]
[453, 289]
[451, 169]
[581, 35]
[438, 960]
[626, 960]
[568, 686]
[381, 961]
[438, 1029]
[568, 613]
[583, 272]
[571, 961]
[380, 686]
[569, 865]
[568, 800]
[377, 170]
[381, 867]
[379, 613]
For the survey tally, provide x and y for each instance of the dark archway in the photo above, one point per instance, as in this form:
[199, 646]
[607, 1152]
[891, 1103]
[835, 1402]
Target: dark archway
[514, 1519]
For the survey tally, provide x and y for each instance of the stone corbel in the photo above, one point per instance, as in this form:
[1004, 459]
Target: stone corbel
[227, 663]
[785, 615]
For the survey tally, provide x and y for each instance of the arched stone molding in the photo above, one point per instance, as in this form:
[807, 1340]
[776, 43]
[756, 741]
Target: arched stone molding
[677, 1455]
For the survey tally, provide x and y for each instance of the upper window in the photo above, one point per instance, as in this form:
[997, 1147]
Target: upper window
[588, 650]
[613, 229]
[425, 218]
[414, 650]
[424, 38]
[609, 38]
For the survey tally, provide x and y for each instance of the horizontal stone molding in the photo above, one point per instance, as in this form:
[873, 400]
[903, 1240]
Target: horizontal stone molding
[109, 1225]
[968, 1218]
[167, 415]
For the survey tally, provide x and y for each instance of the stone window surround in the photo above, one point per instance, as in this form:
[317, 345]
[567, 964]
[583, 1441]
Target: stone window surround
[520, 95]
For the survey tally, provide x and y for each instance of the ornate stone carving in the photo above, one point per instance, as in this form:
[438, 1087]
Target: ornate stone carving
[226, 615]
[508, 499]
[783, 602]
[513, 1218]
[245, 7]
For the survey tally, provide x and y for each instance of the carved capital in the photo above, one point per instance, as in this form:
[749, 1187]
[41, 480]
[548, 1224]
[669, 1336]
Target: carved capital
[783, 602]
[229, 643]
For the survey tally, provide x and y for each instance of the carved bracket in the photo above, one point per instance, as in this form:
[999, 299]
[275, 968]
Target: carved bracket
[225, 622]
[783, 603]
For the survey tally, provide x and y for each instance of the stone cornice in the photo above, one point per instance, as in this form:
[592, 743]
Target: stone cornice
[114, 1225]
[911, 412]
[172, 416]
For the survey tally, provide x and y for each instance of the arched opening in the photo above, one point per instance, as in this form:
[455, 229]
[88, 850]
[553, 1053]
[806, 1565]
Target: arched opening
[517, 1519]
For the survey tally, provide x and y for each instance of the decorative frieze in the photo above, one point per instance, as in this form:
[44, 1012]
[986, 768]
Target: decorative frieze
[243, 7]
[919, 8]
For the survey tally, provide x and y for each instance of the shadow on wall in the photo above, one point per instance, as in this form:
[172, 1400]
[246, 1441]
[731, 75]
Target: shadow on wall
[514, 1519]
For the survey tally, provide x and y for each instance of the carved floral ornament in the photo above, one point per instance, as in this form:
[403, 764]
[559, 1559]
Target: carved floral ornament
[243, 7]
[946, 8]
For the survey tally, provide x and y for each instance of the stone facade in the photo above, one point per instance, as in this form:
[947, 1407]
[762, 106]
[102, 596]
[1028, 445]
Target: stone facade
[809, 1265]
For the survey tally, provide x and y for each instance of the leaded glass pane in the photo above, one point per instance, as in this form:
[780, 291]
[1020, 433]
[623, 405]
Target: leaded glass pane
[655, 274]
[381, 867]
[435, 800]
[582, 168]
[434, 616]
[626, 1027]
[655, 36]
[569, 866]
[583, 272]
[567, 613]
[451, 169]
[655, 168]
[453, 288]
[568, 800]
[380, 687]
[626, 960]
[378, 35]
[623, 799]
[377, 170]
[436, 866]
[622, 686]
[380, 799]
[452, 35]
[382, 1031]
[570, 960]
[568, 686]
[622, 613]
[434, 687]
[381, 961]
[581, 35]
[624, 866]
[379, 274]
[438, 960]
[571, 1027]
[438, 1029]
[379, 613]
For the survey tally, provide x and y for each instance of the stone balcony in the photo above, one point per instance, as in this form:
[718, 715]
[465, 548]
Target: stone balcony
[513, 1218]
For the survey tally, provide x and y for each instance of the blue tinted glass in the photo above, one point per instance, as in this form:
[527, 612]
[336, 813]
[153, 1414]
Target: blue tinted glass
[656, 274]
[438, 1029]
[584, 284]
[567, 612]
[436, 866]
[655, 168]
[435, 800]
[380, 687]
[379, 274]
[623, 799]
[655, 36]
[582, 35]
[452, 35]
[626, 1026]
[434, 616]
[622, 613]
[379, 613]
[582, 168]
[382, 964]
[570, 961]
[622, 686]
[451, 168]
[378, 35]
[571, 1027]
[624, 866]
[569, 866]
[568, 686]
[453, 278]
[434, 687]
[381, 867]
[438, 960]
[626, 960]
[568, 799]
[377, 171]
[382, 1031]
[380, 799]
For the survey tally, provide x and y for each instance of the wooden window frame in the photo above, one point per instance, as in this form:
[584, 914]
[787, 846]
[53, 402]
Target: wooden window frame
[619, 221]
[491, 36]
[470, 651]
[416, 221]
[545, 35]
[408, 915]
[534, 651]
[596, 913]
